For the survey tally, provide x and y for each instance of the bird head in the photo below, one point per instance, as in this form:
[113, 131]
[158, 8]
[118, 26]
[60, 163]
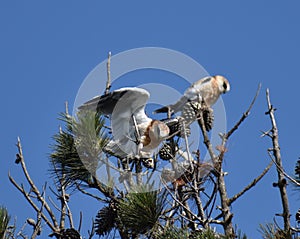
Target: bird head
[223, 84]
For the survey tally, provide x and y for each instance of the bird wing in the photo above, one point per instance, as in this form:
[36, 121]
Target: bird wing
[192, 93]
[128, 101]
[122, 104]
[196, 89]
[103, 103]
[130, 104]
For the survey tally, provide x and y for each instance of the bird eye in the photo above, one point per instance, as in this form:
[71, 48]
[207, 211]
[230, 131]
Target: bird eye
[224, 85]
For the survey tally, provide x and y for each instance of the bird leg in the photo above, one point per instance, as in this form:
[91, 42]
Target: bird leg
[186, 143]
[169, 112]
[138, 137]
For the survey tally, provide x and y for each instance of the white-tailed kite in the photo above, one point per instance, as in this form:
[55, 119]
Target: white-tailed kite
[134, 133]
[207, 90]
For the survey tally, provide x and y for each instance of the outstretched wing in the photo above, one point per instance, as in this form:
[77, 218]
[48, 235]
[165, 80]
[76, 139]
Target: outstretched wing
[123, 105]
[129, 100]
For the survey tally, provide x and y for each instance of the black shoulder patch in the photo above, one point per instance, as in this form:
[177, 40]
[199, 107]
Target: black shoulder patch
[207, 80]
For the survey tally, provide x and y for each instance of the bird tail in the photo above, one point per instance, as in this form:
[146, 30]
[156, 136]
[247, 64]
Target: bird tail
[178, 106]
[164, 109]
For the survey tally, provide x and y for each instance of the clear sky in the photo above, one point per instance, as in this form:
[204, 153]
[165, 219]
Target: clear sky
[48, 48]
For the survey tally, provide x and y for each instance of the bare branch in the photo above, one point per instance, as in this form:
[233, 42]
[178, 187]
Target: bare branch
[283, 171]
[216, 221]
[277, 155]
[66, 108]
[267, 133]
[37, 226]
[63, 207]
[20, 233]
[70, 216]
[108, 82]
[249, 186]
[217, 161]
[211, 199]
[182, 205]
[200, 209]
[33, 205]
[54, 205]
[34, 189]
[91, 195]
[80, 222]
[244, 116]
[189, 158]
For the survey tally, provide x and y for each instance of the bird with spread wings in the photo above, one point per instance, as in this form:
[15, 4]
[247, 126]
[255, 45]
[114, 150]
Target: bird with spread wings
[134, 133]
[204, 91]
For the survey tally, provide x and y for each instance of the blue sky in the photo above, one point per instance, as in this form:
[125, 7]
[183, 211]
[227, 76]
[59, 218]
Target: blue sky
[48, 48]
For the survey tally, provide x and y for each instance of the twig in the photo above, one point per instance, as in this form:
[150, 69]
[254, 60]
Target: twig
[62, 198]
[212, 199]
[37, 226]
[34, 206]
[108, 82]
[70, 216]
[34, 189]
[181, 204]
[80, 222]
[200, 208]
[244, 116]
[283, 171]
[252, 184]
[107, 170]
[189, 158]
[91, 195]
[219, 222]
[66, 108]
[54, 205]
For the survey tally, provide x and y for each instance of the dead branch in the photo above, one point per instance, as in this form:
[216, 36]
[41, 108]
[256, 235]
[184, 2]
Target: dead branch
[63, 207]
[37, 227]
[189, 158]
[91, 195]
[277, 155]
[67, 108]
[249, 186]
[244, 116]
[211, 199]
[200, 209]
[34, 189]
[108, 82]
[218, 162]
[80, 222]
[226, 212]
[283, 171]
[34, 206]
[34, 193]
[20, 233]
[182, 205]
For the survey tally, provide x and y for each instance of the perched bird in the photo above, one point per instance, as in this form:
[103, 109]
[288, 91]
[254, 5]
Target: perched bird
[205, 91]
[208, 89]
[134, 133]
